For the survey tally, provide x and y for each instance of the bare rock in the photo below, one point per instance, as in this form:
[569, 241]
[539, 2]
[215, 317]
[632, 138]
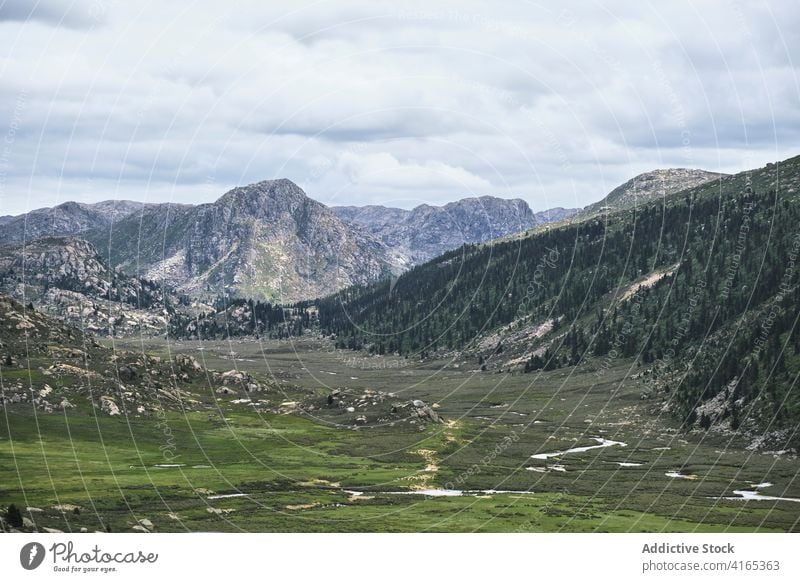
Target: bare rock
[108, 406]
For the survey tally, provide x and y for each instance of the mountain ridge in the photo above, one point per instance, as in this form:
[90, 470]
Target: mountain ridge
[66, 219]
[649, 186]
[269, 240]
[427, 231]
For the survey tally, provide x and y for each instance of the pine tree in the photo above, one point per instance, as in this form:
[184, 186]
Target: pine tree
[14, 516]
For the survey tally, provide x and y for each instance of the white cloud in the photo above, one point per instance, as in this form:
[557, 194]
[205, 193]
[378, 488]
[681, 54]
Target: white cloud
[363, 102]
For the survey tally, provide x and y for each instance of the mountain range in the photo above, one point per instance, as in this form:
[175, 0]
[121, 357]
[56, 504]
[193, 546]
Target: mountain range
[270, 241]
[428, 231]
[267, 240]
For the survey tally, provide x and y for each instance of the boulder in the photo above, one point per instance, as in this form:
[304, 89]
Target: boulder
[128, 373]
[427, 413]
[108, 406]
[233, 377]
[187, 363]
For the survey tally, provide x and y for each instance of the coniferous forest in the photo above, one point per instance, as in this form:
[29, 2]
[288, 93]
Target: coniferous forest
[717, 320]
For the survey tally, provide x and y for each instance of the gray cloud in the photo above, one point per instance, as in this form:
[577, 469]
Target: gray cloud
[67, 13]
[360, 102]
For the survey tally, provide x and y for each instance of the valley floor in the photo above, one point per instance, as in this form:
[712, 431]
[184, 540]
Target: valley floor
[559, 451]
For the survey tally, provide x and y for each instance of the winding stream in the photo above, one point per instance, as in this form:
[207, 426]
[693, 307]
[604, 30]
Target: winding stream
[603, 444]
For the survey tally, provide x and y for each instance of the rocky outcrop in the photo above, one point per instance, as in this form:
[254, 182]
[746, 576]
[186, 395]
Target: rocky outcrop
[72, 370]
[67, 278]
[425, 412]
[72, 264]
[651, 186]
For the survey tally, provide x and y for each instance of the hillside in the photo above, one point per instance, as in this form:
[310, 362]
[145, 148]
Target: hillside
[703, 281]
[55, 367]
[67, 278]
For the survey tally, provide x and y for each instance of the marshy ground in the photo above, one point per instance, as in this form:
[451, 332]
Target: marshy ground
[568, 450]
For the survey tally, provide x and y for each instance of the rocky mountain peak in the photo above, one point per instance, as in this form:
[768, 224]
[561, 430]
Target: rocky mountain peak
[266, 198]
[651, 186]
[266, 240]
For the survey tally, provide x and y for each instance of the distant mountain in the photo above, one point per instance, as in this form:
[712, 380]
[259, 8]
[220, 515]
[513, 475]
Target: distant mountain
[67, 219]
[651, 186]
[556, 214]
[429, 231]
[267, 240]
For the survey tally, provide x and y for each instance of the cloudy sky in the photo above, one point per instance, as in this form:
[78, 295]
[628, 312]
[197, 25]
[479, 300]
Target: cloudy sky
[395, 103]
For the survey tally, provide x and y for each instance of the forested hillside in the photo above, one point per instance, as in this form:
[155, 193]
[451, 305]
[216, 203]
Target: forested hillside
[701, 287]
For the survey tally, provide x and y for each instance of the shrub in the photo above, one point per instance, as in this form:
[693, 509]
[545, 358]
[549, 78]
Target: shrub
[14, 516]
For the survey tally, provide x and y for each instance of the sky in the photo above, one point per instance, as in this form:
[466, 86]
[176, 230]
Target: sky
[394, 103]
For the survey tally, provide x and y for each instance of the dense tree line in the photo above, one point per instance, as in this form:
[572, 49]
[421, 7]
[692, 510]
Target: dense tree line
[234, 317]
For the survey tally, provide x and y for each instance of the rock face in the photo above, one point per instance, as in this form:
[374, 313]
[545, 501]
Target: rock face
[651, 186]
[73, 265]
[556, 214]
[70, 218]
[429, 231]
[267, 240]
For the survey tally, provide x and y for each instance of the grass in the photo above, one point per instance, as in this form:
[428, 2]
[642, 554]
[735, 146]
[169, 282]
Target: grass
[297, 470]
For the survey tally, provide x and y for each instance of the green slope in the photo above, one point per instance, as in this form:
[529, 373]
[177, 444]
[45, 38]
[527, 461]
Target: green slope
[700, 288]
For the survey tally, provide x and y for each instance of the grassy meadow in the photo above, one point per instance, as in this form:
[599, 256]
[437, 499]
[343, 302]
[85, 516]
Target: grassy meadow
[257, 464]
